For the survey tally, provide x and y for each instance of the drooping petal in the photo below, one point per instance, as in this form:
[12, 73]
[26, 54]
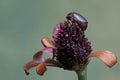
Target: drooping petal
[38, 55]
[53, 63]
[29, 65]
[106, 56]
[41, 68]
[47, 42]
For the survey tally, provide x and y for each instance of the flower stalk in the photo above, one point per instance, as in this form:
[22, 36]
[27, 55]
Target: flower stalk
[82, 74]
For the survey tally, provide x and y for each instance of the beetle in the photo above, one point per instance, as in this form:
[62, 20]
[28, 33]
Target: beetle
[76, 18]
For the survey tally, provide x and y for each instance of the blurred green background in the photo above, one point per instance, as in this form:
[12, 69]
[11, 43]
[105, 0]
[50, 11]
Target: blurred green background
[24, 22]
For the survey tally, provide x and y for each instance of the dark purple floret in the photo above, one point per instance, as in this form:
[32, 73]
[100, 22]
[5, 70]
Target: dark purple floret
[72, 48]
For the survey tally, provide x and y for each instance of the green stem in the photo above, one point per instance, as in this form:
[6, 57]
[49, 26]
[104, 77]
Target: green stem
[82, 74]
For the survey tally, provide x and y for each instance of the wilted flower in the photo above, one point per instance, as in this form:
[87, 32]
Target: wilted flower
[71, 50]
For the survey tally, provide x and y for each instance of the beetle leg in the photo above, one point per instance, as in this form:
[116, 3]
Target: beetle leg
[47, 43]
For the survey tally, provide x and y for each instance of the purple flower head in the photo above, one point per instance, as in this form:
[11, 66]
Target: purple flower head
[72, 47]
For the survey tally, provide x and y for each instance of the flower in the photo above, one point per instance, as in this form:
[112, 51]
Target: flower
[72, 46]
[70, 49]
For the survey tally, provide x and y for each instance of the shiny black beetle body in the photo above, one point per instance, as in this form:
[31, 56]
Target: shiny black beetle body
[78, 19]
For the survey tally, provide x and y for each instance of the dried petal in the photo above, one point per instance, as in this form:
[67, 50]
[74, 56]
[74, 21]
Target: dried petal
[52, 62]
[38, 55]
[106, 56]
[41, 68]
[47, 42]
[29, 65]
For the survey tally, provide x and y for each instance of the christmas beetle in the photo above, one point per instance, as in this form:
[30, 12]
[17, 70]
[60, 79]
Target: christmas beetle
[78, 19]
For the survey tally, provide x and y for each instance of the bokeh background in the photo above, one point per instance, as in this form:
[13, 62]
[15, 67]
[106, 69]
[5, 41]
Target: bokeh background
[24, 22]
